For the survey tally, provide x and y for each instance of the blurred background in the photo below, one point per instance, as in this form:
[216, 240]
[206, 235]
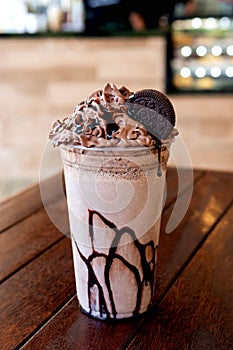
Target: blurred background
[55, 53]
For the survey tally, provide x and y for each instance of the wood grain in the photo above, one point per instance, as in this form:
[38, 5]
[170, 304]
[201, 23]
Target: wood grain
[10, 210]
[187, 177]
[20, 206]
[175, 251]
[27, 239]
[33, 234]
[197, 313]
[31, 296]
[211, 196]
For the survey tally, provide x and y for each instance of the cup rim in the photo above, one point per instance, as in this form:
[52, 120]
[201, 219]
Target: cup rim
[115, 148]
[106, 149]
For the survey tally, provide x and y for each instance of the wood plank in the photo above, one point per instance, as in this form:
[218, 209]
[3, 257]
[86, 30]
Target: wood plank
[23, 204]
[71, 329]
[10, 210]
[24, 241]
[175, 249]
[186, 177]
[211, 196]
[197, 313]
[32, 295]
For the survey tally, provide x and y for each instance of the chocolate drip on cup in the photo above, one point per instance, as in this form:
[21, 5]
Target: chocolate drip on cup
[147, 267]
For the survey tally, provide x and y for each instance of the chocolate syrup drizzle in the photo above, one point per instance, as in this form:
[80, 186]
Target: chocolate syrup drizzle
[147, 267]
[159, 168]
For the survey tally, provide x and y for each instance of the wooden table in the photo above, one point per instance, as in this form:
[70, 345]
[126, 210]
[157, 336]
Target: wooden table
[194, 289]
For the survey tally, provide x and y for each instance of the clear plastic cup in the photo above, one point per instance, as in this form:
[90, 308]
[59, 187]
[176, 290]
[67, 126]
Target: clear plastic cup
[115, 199]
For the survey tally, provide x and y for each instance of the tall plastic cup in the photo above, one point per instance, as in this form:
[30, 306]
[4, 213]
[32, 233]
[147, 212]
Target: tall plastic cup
[115, 199]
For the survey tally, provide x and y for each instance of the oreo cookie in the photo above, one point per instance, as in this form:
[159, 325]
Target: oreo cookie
[154, 111]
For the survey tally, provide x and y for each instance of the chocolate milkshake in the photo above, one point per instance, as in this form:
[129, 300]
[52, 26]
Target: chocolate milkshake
[115, 148]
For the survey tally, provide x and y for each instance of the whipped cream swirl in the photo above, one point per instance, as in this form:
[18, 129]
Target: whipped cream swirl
[101, 120]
